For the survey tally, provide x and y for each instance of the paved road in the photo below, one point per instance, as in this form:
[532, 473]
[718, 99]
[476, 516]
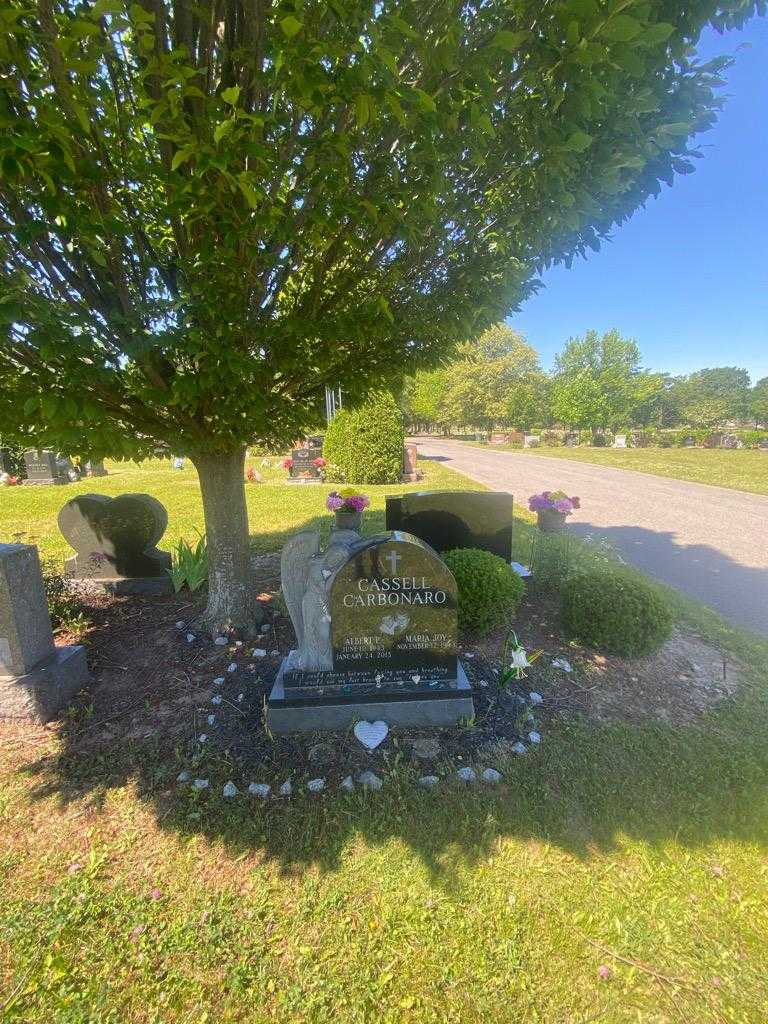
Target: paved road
[710, 542]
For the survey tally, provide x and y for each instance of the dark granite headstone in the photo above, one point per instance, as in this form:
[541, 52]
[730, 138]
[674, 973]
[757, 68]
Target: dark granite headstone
[42, 467]
[713, 440]
[304, 467]
[6, 463]
[730, 441]
[115, 540]
[689, 442]
[456, 519]
[763, 445]
[571, 440]
[95, 467]
[392, 607]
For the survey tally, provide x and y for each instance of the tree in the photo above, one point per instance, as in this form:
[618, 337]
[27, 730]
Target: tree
[758, 402]
[529, 402]
[500, 341]
[599, 381]
[422, 398]
[212, 211]
[711, 397]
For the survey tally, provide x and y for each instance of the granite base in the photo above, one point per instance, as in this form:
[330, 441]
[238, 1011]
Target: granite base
[41, 694]
[438, 711]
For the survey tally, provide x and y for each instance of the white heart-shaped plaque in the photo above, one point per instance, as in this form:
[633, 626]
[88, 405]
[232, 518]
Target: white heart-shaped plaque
[371, 734]
[416, 679]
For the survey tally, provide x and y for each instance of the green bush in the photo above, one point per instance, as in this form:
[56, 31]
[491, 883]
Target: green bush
[752, 438]
[189, 565]
[365, 445]
[616, 611]
[489, 590]
[65, 607]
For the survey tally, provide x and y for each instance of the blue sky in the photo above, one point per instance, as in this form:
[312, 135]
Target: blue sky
[687, 276]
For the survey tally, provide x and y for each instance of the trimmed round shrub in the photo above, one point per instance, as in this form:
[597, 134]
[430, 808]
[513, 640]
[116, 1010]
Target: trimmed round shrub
[490, 591]
[615, 611]
[365, 445]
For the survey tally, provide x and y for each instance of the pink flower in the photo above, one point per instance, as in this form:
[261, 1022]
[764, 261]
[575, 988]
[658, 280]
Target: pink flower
[287, 463]
[357, 502]
[320, 462]
[604, 972]
[564, 505]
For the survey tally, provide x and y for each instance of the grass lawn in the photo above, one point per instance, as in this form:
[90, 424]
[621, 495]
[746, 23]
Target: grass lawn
[643, 850]
[740, 470]
[274, 508]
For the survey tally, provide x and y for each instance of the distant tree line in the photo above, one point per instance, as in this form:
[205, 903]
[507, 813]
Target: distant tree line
[598, 383]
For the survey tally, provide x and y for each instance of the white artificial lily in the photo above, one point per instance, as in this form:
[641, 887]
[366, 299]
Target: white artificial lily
[520, 659]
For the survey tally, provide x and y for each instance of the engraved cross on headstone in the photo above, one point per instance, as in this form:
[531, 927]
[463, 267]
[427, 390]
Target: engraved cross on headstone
[393, 558]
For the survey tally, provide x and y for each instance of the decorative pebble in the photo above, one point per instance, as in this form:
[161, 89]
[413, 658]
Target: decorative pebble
[347, 784]
[482, 682]
[191, 637]
[221, 641]
[200, 784]
[183, 777]
[274, 654]
[468, 655]
[216, 699]
[519, 748]
[315, 785]
[265, 628]
[535, 698]
[369, 780]
[211, 719]
[219, 681]
[467, 774]
[230, 790]
[286, 789]
[258, 652]
[180, 624]
[428, 781]
[232, 666]
[238, 643]
[240, 698]
[534, 736]
[202, 738]
[491, 776]
[261, 790]
[562, 663]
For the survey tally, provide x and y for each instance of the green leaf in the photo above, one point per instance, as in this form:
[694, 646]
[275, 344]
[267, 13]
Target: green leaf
[425, 100]
[291, 26]
[49, 405]
[181, 156]
[223, 129]
[363, 108]
[509, 41]
[231, 95]
[657, 33]
[621, 29]
[248, 191]
[31, 405]
[578, 141]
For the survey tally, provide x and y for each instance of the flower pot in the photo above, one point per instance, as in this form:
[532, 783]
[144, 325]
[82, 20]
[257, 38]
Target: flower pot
[550, 520]
[348, 520]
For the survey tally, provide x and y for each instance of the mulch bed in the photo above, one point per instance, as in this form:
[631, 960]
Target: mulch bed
[155, 687]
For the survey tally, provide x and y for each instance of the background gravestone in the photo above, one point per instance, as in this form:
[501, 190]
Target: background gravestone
[456, 519]
[36, 679]
[392, 639]
[115, 540]
[42, 467]
[304, 469]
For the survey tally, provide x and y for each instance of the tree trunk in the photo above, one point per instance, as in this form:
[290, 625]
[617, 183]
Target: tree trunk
[232, 605]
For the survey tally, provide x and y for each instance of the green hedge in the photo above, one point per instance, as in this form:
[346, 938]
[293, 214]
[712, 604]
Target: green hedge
[616, 611]
[489, 590]
[365, 445]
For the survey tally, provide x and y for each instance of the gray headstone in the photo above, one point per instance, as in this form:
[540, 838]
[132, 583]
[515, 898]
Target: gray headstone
[36, 679]
[115, 538]
[42, 467]
[456, 519]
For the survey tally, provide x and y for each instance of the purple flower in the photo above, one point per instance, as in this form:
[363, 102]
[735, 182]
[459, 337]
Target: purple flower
[357, 502]
[334, 501]
[564, 505]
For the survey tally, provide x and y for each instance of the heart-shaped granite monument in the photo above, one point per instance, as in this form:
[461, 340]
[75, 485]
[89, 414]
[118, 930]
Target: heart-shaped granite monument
[115, 538]
[371, 734]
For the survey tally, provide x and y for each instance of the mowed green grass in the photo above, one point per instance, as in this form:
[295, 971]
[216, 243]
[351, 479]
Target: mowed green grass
[643, 850]
[739, 470]
[275, 508]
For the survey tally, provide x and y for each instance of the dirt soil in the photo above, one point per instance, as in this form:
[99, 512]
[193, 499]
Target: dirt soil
[155, 682]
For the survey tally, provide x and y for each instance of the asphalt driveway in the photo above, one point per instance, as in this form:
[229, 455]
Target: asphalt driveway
[710, 542]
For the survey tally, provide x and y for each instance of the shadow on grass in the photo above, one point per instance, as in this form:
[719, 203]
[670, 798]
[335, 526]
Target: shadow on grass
[586, 790]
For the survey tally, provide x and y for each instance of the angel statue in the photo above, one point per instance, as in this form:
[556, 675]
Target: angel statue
[307, 575]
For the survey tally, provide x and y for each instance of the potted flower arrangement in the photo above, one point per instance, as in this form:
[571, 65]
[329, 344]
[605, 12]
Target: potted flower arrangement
[552, 508]
[288, 464]
[348, 505]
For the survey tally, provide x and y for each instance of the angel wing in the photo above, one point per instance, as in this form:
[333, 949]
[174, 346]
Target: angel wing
[294, 573]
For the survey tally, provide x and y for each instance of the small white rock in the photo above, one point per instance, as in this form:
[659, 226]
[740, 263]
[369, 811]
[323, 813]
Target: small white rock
[200, 784]
[230, 790]
[535, 698]
[347, 784]
[468, 655]
[183, 777]
[202, 738]
[221, 641]
[240, 698]
[274, 654]
[258, 652]
[315, 785]
[261, 790]
[286, 789]
[534, 736]
[232, 667]
[216, 699]
[191, 637]
[369, 780]
[482, 682]
[428, 781]
[562, 663]
[238, 643]
[265, 628]
[519, 748]
[491, 776]
[467, 774]
[211, 719]
[219, 681]
[180, 624]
